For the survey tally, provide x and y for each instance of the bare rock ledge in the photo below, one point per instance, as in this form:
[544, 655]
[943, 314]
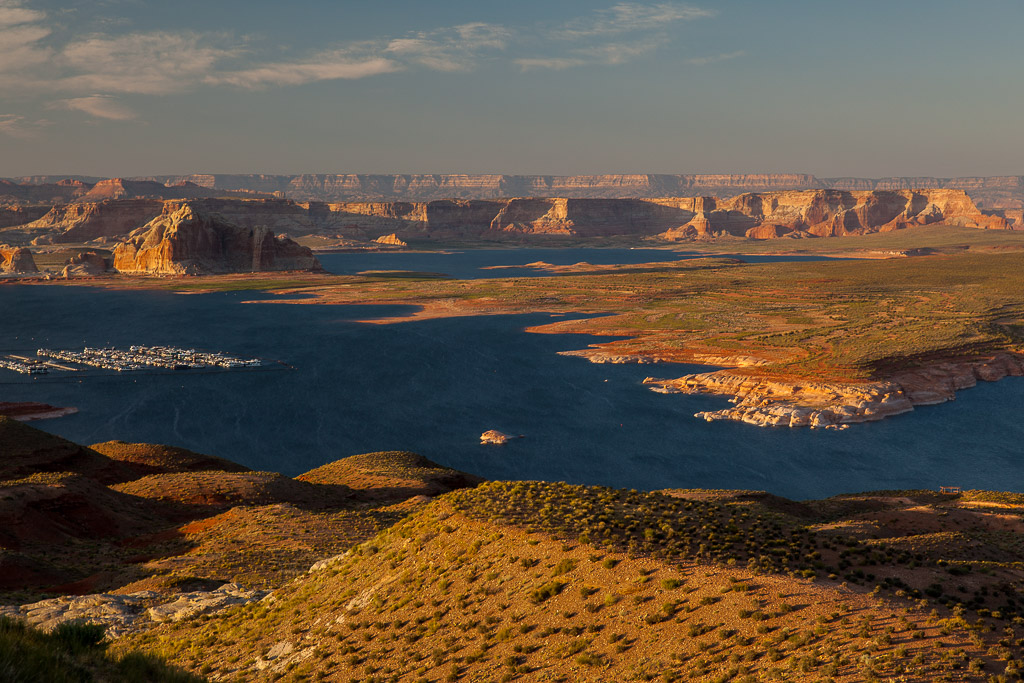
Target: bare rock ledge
[767, 402]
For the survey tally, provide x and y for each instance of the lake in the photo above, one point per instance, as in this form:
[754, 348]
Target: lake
[433, 386]
[478, 263]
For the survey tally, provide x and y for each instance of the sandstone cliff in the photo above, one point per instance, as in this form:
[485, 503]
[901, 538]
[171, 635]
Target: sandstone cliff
[188, 239]
[16, 260]
[988, 192]
[831, 213]
[32, 193]
[20, 215]
[94, 220]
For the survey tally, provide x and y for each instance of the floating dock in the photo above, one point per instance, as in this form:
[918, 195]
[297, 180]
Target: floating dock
[120, 360]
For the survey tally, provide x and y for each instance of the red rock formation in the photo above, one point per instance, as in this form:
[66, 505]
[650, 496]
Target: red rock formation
[17, 260]
[85, 264]
[188, 239]
[20, 215]
[93, 220]
[391, 240]
[832, 213]
[990, 193]
[56, 193]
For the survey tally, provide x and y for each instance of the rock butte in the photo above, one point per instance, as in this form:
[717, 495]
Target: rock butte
[188, 240]
[17, 260]
[391, 240]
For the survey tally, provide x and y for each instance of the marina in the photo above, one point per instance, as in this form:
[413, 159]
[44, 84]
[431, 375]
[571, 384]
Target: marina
[118, 360]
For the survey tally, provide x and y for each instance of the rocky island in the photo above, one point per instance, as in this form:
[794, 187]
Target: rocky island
[188, 240]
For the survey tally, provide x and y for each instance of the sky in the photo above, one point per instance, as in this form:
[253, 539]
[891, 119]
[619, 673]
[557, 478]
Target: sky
[868, 88]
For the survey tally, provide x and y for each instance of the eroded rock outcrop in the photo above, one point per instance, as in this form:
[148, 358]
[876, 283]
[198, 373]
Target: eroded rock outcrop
[85, 264]
[95, 220]
[766, 402]
[188, 239]
[127, 613]
[831, 213]
[14, 260]
[391, 240]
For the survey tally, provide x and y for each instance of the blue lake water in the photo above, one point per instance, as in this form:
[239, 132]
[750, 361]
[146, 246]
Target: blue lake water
[434, 386]
[473, 264]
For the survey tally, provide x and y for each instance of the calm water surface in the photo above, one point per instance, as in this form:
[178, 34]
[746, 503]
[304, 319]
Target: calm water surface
[434, 386]
[476, 263]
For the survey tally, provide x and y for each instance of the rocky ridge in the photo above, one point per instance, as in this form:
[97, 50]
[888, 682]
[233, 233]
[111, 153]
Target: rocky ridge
[188, 239]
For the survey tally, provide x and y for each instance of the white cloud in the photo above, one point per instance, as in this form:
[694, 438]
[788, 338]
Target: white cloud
[100, 106]
[619, 53]
[86, 72]
[157, 63]
[638, 28]
[12, 14]
[627, 17]
[454, 49]
[556, 63]
[20, 34]
[326, 66]
[20, 127]
[700, 61]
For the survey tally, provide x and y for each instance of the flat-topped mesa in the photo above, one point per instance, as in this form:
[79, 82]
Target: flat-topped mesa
[187, 239]
[831, 213]
[15, 260]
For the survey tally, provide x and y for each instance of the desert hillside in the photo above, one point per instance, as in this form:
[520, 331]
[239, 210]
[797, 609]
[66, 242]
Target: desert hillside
[374, 568]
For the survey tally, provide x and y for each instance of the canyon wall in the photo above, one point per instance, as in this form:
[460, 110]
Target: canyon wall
[995, 192]
[806, 213]
[831, 213]
[988, 193]
[83, 222]
[188, 239]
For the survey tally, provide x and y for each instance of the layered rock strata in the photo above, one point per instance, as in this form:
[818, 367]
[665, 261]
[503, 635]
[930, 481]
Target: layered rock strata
[15, 260]
[766, 402]
[95, 220]
[830, 213]
[989, 192]
[188, 239]
[806, 213]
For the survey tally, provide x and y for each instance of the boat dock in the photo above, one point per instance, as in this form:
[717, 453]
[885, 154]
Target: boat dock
[120, 360]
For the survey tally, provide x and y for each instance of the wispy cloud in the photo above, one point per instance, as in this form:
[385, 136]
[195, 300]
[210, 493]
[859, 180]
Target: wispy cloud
[14, 13]
[21, 31]
[614, 35]
[88, 72]
[20, 127]
[556, 63]
[454, 49]
[326, 66]
[711, 59]
[631, 16]
[100, 106]
[147, 63]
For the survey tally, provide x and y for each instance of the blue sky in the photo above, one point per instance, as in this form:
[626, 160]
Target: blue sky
[869, 88]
